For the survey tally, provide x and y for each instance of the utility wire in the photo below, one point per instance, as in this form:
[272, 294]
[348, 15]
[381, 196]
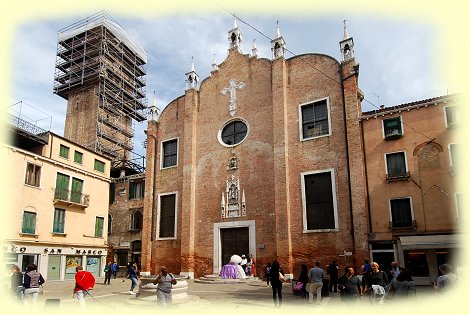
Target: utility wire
[312, 66]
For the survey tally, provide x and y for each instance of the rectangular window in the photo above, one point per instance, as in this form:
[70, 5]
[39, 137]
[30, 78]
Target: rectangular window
[99, 166]
[136, 189]
[319, 201]
[392, 128]
[99, 223]
[459, 204]
[76, 192]
[401, 213]
[33, 175]
[315, 120]
[29, 223]
[62, 187]
[170, 153]
[64, 151]
[396, 165]
[167, 216]
[452, 116]
[59, 221]
[454, 150]
[78, 157]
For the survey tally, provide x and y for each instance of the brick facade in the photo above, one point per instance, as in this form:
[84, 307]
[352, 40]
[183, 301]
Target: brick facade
[270, 162]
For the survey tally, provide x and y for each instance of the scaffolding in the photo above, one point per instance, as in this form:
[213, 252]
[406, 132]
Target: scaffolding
[96, 53]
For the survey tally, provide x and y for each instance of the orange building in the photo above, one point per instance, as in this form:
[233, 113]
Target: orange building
[411, 154]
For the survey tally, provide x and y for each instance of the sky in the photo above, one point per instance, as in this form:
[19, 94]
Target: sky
[398, 56]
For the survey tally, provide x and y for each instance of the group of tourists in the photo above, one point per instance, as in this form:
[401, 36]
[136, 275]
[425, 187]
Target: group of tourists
[26, 288]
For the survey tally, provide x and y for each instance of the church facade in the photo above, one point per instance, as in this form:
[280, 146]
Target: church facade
[263, 158]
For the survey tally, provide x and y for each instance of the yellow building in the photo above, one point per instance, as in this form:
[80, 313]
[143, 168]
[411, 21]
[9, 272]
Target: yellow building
[58, 211]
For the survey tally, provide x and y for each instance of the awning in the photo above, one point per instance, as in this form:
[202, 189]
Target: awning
[430, 241]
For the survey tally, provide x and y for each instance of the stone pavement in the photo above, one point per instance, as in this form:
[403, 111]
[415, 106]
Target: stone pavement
[252, 294]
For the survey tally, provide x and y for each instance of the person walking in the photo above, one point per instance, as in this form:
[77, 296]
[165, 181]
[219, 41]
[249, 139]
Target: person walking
[16, 282]
[303, 278]
[84, 281]
[402, 286]
[316, 276]
[332, 270]
[267, 274]
[32, 280]
[108, 271]
[349, 286]
[114, 269]
[376, 283]
[132, 275]
[277, 278]
[164, 282]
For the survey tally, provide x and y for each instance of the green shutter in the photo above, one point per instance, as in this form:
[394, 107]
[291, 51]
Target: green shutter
[29, 223]
[99, 227]
[99, 166]
[77, 187]
[62, 187]
[78, 157]
[64, 151]
[59, 220]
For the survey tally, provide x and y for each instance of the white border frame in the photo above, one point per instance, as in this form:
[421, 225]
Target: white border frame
[335, 202]
[234, 119]
[389, 118]
[390, 207]
[386, 162]
[329, 118]
[251, 224]
[451, 164]
[162, 154]
[457, 210]
[157, 225]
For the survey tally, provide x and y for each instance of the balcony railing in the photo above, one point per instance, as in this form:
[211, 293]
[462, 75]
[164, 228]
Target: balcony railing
[398, 177]
[403, 225]
[393, 134]
[71, 198]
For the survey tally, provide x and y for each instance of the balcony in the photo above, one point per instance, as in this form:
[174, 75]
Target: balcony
[402, 225]
[398, 177]
[71, 198]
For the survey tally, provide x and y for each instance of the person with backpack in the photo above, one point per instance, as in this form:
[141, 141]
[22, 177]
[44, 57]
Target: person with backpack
[164, 282]
[31, 282]
[114, 269]
[108, 271]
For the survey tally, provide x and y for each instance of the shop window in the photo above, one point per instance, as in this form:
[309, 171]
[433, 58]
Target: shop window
[416, 261]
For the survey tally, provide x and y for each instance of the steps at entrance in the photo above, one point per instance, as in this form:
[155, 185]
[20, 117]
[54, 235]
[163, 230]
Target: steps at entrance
[215, 279]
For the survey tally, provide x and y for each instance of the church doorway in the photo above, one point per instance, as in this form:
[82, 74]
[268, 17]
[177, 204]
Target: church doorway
[234, 241]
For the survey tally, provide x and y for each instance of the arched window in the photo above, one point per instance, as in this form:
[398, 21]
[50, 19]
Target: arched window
[136, 220]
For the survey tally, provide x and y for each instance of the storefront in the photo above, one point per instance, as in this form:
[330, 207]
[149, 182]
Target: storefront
[55, 263]
[423, 254]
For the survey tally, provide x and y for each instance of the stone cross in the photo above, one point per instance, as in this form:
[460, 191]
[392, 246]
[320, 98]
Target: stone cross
[232, 89]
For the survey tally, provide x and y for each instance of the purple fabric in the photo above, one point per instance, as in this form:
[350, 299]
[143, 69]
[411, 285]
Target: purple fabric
[228, 272]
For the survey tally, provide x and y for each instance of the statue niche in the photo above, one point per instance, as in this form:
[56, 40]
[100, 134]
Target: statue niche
[232, 204]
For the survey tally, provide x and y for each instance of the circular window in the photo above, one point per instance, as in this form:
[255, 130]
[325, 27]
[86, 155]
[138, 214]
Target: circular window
[233, 133]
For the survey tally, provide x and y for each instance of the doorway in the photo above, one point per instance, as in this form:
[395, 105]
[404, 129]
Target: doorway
[234, 241]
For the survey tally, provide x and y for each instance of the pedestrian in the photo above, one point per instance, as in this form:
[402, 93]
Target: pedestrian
[316, 276]
[303, 278]
[376, 283]
[32, 280]
[84, 281]
[267, 274]
[244, 262]
[16, 282]
[447, 279]
[108, 271]
[349, 286]
[394, 270]
[249, 266]
[277, 278]
[132, 275]
[332, 270]
[402, 286]
[164, 282]
[114, 269]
